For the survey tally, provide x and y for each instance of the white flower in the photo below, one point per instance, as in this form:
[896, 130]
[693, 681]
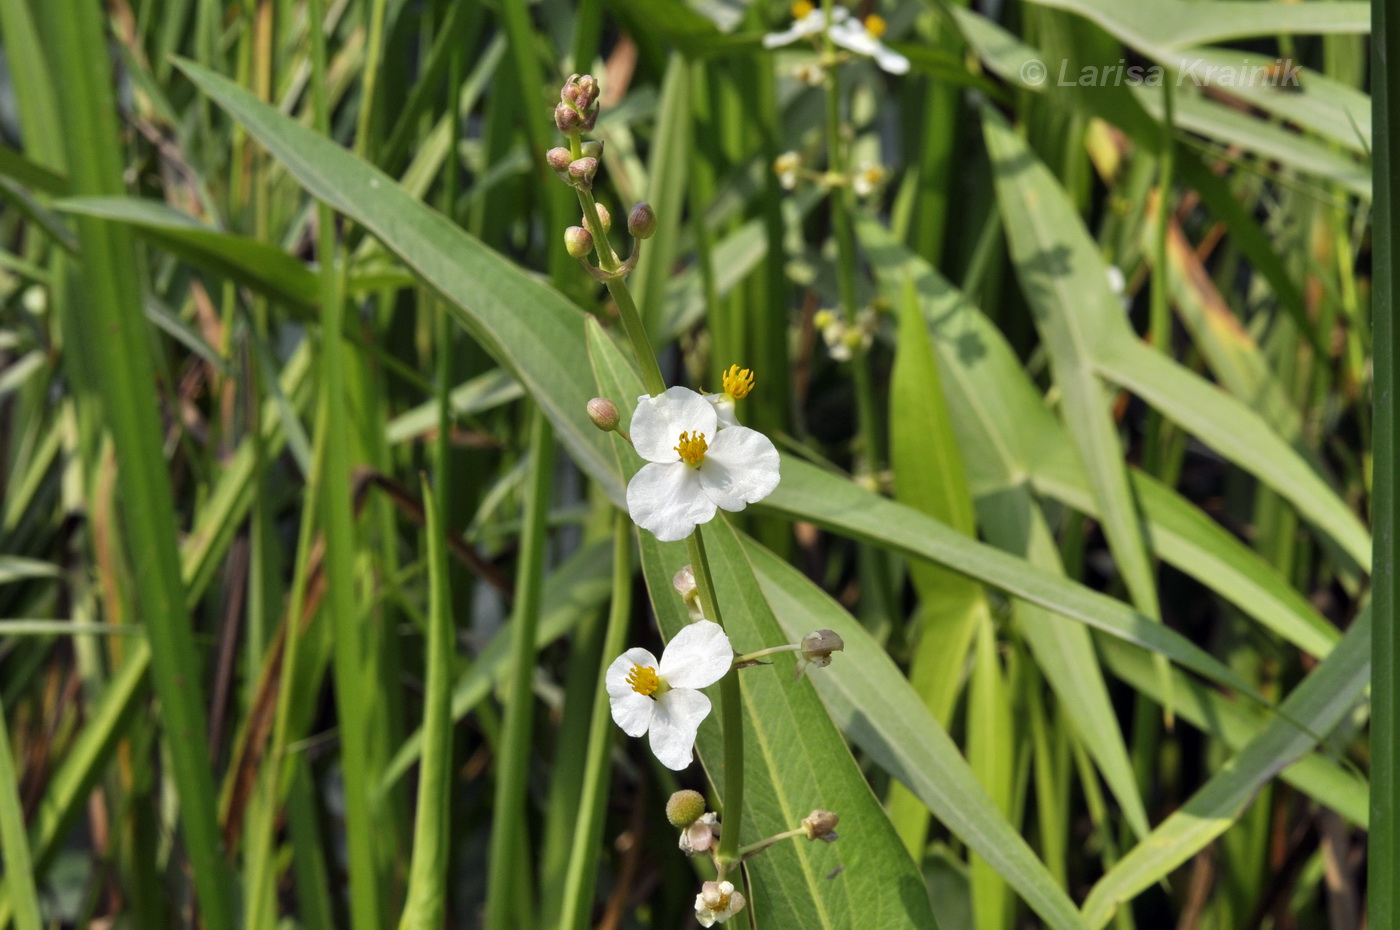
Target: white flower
[694, 466]
[661, 697]
[868, 179]
[863, 38]
[786, 166]
[808, 20]
[716, 903]
[738, 383]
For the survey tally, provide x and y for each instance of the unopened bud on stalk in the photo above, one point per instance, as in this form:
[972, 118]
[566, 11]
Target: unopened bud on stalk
[821, 825]
[578, 242]
[684, 583]
[603, 412]
[685, 807]
[566, 119]
[816, 649]
[641, 222]
[581, 172]
[593, 148]
[559, 159]
[604, 217]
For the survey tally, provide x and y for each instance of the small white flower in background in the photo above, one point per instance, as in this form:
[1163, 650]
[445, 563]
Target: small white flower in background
[810, 74]
[716, 903]
[738, 384]
[867, 179]
[842, 340]
[807, 20]
[699, 836]
[694, 467]
[863, 38]
[662, 697]
[786, 166]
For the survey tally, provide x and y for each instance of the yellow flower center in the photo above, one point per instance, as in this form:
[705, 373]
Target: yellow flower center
[875, 25]
[801, 8]
[692, 449]
[644, 680]
[738, 383]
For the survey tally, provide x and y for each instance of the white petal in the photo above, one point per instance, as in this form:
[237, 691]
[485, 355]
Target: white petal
[633, 712]
[740, 468]
[660, 420]
[668, 500]
[697, 656]
[674, 721]
[890, 60]
[724, 409]
[616, 678]
[852, 36]
[809, 25]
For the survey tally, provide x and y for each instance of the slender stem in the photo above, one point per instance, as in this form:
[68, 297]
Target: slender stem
[755, 848]
[508, 834]
[771, 650]
[731, 713]
[637, 333]
[583, 860]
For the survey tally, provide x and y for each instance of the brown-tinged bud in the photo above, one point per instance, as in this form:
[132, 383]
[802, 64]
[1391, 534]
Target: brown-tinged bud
[559, 159]
[566, 119]
[641, 222]
[685, 807]
[700, 836]
[821, 825]
[581, 172]
[604, 217]
[578, 242]
[816, 650]
[587, 91]
[603, 413]
[569, 92]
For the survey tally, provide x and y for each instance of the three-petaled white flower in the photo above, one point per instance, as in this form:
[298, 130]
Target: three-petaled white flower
[717, 902]
[854, 35]
[694, 467]
[661, 697]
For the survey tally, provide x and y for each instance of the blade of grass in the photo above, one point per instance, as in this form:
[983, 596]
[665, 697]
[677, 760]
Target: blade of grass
[14, 841]
[1383, 902]
[506, 872]
[425, 904]
[111, 292]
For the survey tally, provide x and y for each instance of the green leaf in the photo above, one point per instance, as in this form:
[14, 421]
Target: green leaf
[1313, 708]
[795, 760]
[531, 329]
[882, 715]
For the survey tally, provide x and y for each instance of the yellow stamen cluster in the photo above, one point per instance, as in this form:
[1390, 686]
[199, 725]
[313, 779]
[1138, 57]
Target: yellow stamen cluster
[801, 8]
[692, 449]
[738, 383]
[643, 679]
[875, 25]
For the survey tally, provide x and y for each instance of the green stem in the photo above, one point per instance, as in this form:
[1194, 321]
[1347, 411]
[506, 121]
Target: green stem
[755, 848]
[583, 860]
[731, 713]
[508, 840]
[771, 650]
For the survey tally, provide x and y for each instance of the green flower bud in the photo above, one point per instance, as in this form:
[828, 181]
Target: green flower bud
[593, 148]
[602, 411]
[604, 217]
[581, 172]
[578, 242]
[685, 807]
[641, 222]
[559, 159]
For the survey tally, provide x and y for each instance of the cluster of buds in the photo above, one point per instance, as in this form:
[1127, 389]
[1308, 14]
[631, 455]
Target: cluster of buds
[577, 110]
[577, 165]
[699, 829]
[844, 340]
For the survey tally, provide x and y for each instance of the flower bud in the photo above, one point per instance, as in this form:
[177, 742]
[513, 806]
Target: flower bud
[700, 836]
[593, 148]
[559, 158]
[578, 242]
[604, 217]
[641, 222]
[821, 825]
[717, 902]
[602, 411]
[684, 583]
[586, 91]
[581, 172]
[685, 807]
[816, 649]
[566, 119]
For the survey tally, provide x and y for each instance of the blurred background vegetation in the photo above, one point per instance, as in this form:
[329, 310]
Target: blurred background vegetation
[287, 459]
